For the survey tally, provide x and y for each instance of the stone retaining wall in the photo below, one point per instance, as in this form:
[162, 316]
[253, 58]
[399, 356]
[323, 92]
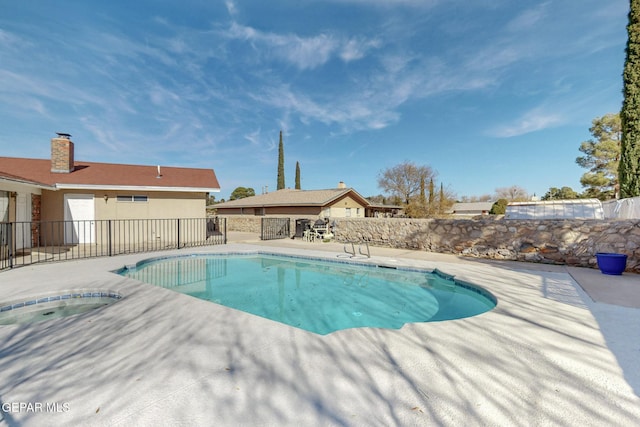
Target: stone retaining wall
[570, 242]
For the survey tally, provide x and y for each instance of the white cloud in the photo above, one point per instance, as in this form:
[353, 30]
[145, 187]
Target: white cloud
[303, 52]
[356, 49]
[424, 4]
[111, 45]
[231, 7]
[529, 18]
[253, 137]
[177, 45]
[496, 57]
[108, 137]
[46, 88]
[161, 96]
[349, 111]
[532, 121]
[9, 40]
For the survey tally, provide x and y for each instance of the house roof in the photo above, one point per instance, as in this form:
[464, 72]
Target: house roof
[472, 206]
[290, 197]
[92, 175]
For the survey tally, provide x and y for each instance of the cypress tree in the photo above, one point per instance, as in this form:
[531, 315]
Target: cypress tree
[280, 164]
[297, 175]
[432, 194]
[422, 195]
[629, 168]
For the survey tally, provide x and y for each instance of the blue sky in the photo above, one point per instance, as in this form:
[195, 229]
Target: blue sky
[489, 93]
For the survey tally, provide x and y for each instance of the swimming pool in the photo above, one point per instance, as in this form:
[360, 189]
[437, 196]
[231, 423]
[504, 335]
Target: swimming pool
[317, 295]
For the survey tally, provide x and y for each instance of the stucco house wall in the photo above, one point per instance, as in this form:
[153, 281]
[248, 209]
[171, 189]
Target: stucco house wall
[346, 207]
[159, 205]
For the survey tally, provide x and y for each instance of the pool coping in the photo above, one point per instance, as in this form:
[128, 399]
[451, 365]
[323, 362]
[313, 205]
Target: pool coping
[72, 294]
[547, 354]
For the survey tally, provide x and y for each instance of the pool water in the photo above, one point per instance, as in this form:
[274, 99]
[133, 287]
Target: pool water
[316, 295]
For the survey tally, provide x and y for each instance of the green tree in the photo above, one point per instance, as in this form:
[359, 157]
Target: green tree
[280, 164]
[211, 199]
[403, 180]
[415, 210]
[499, 207]
[298, 176]
[446, 199]
[432, 196]
[564, 193]
[602, 156]
[241, 193]
[417, 207]
[629, 167]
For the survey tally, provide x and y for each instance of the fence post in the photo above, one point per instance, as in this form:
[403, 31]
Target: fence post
[10, 240]
[225, 231]
[109, 237]
[178, 232]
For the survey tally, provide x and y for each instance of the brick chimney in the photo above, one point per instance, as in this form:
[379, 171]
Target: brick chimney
[62, 153]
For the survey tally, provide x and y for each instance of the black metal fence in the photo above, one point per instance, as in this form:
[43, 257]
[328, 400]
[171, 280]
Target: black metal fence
[23, 243]
[274, 228]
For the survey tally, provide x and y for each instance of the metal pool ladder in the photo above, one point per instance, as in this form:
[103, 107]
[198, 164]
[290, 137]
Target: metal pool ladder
[352, 252]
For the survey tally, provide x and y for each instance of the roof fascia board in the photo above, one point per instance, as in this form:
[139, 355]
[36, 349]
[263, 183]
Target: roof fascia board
[26, 182]
[136, 188]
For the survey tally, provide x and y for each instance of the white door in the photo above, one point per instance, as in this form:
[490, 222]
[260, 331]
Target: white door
[80, 210]
[23, 220]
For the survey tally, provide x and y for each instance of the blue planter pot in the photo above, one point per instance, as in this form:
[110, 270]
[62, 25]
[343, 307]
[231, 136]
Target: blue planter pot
[610, 263]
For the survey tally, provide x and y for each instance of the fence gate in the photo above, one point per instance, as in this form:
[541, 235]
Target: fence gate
[274, 228]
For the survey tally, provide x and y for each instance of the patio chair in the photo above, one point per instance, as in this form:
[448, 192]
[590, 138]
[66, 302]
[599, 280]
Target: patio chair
[309, 235]
[319, 229]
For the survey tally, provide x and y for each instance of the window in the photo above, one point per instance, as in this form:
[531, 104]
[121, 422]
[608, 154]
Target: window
[132, 198]
[347, 212]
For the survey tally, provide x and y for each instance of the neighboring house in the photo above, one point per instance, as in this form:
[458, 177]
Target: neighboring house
[62, 189]
[375, 210]
[338, 202]
[471, 209]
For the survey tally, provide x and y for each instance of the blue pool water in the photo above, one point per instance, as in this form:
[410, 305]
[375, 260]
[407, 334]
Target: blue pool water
[316, 295]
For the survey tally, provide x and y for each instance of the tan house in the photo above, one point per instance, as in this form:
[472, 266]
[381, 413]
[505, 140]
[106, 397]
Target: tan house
[338, 202]
[63, 189]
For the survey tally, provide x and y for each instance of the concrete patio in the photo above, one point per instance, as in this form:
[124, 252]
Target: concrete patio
[561, 348]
